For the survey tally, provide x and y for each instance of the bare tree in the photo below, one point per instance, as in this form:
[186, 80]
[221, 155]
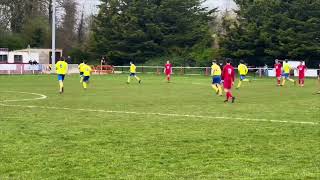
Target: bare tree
[81, 28]
[66, 32]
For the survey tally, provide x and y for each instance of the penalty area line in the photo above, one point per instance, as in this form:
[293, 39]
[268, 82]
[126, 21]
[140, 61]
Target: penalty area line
[165, 114]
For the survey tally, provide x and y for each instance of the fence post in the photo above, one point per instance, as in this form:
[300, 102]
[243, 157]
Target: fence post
[260, 72]
[207, 71]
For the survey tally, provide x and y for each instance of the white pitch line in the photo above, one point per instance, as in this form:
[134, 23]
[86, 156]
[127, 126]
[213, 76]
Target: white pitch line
[164, 114]
[41, 97]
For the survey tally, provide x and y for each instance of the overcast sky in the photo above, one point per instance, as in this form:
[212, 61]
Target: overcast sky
[90, 6]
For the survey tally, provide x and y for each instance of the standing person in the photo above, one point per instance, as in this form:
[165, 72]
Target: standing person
[286, 73]
[278, 70]
[216, 78]
[168, 70]
[86, 75]
[228, 80]
[243, 71]
[80, 67]
[61, 69]
[302, 69]
[133, 72]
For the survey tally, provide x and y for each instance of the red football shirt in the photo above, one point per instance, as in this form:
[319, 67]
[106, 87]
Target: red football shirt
[168, 68]
[228, 73]
[302, 70]
[278, 67]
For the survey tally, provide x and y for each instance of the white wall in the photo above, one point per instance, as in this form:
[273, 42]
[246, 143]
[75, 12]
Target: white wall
[26, 57]
[4, 53]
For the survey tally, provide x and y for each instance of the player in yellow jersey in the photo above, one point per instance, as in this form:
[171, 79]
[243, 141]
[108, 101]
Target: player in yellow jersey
[61, 69]
[86, 75]
[80, 67]
[243, 71]
[286, 73]
[216, 78]
[133, 72]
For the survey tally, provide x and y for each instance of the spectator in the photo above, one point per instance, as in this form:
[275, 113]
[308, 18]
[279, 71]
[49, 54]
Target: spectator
[265, 70]
[69, 59]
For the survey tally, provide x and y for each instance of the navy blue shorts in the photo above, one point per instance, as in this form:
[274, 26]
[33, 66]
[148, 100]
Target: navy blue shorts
[285, 75]
[216, 80]
[242, 77]
[132, 74]
[61, 77]
[86, 79]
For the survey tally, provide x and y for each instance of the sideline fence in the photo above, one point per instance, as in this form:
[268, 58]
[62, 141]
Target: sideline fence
[157, 70]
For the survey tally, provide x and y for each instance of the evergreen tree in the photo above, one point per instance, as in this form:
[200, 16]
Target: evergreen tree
[275, 29]
[142, 29]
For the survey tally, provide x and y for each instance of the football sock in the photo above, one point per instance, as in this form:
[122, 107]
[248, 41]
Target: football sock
[291, 80]
[283, 82]
[215, 88]
[239, 84]
[246, 80]
[85, 85]
[279, 82]
[229, 95]
[137, 78]
[61, 85]
[128, 79]
[220, 90]
[81, 79]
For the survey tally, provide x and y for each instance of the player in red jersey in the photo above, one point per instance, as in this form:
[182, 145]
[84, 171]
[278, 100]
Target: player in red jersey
[301, 71]
[168, 71]
[228, 77]
[278, 69]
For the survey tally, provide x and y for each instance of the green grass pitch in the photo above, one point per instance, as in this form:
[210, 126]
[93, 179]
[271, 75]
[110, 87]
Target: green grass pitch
[157, 130]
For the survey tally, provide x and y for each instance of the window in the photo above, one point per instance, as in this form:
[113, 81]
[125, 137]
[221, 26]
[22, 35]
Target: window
[18, 59]
[3, 58]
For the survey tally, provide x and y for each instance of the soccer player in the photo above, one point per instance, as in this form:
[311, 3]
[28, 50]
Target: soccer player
[243, 71]
[80, 67]
[301, 71]
[278, 67]
[133, 73]
[228, 80]
[216, 78]
[61, 69]
[286, 73]
[168, 71]
[86, 75]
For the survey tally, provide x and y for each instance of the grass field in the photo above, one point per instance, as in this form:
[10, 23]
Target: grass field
[157, 130]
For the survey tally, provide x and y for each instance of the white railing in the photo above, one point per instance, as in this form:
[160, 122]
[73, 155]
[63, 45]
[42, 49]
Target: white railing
[73, 69]
[182, 70]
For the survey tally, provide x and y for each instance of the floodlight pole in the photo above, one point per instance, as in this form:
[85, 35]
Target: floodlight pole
[53, 56]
